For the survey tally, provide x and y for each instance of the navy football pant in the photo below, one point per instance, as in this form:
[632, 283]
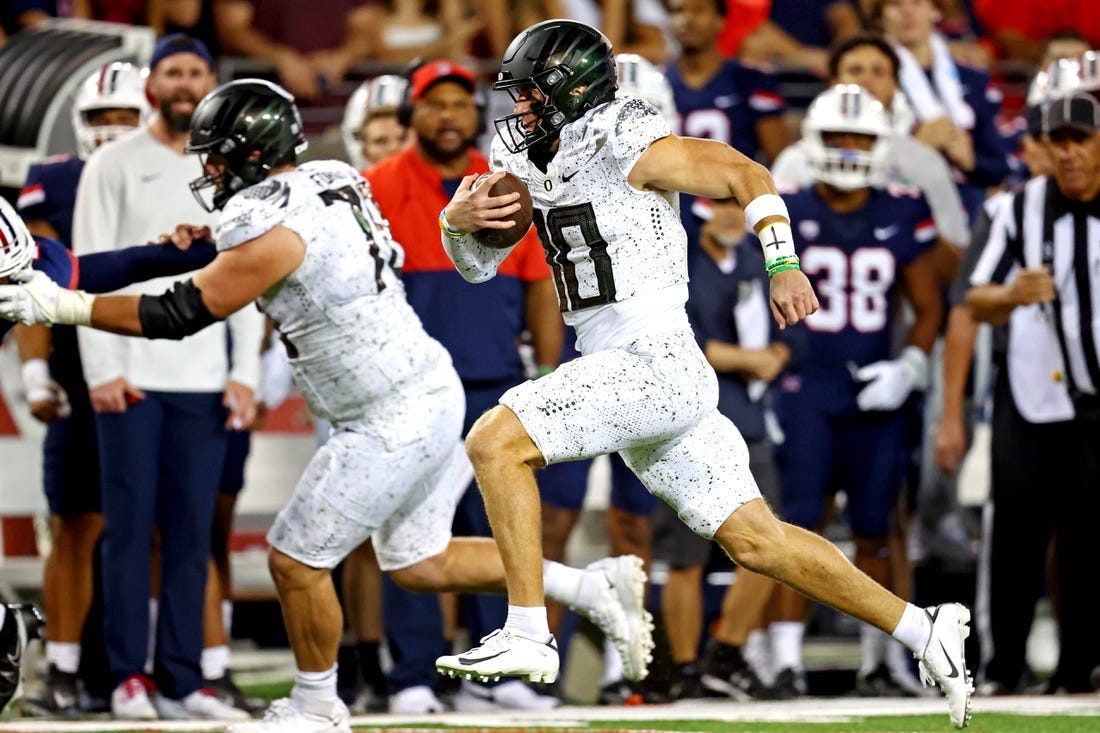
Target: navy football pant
[161, 464]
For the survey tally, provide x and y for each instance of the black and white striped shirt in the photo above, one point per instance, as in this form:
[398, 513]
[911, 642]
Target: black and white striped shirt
[1043, 228]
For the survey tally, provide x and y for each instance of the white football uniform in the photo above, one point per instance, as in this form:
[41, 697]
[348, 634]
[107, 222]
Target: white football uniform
[394, 465]
[619, 260]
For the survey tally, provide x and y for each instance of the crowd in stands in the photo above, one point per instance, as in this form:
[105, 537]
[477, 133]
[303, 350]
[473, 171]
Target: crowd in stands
[898, 176]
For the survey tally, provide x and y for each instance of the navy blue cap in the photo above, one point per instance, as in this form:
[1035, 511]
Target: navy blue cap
[180, 43]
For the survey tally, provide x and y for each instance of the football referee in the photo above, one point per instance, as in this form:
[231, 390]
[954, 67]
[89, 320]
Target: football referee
[1040, 272]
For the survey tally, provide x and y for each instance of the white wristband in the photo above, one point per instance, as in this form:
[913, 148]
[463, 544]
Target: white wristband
[917, 359]
[74, 307]
[762, 207]
[36, 380]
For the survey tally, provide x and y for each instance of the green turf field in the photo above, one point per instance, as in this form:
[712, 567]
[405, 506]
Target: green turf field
[1070, 714]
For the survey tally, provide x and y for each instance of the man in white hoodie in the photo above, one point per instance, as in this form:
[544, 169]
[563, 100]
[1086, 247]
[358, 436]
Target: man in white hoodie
[162, 409]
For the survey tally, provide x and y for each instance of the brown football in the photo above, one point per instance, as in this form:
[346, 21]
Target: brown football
[504, 238]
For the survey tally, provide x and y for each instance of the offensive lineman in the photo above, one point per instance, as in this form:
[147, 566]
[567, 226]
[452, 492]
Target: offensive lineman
[603, 176]
[308, 244]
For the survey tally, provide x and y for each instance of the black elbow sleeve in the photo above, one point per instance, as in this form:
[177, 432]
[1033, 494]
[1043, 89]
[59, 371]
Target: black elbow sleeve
[176, 313]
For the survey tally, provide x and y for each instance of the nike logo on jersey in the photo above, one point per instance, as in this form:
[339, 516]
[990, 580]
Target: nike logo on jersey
[882, 233]
[599, 146]
[150, 177]
[724, 101]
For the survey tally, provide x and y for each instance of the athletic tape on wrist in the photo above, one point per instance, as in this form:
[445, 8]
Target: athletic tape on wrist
[74, 307]
[36, 376]
[777, 241]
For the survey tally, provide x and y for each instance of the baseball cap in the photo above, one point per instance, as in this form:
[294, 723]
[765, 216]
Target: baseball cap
[1079, 111]
[434, 72]
[180, 43]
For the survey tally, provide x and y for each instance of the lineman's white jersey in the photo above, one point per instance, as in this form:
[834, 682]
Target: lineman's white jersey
[607, 243]
[352, 337]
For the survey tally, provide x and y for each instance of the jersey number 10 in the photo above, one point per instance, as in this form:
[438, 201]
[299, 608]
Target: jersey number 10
[577, 253]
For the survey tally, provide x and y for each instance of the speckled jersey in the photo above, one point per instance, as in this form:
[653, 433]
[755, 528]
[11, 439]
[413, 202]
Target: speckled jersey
[607, 242]
[350, 333]
[642, 387]
[393, 467]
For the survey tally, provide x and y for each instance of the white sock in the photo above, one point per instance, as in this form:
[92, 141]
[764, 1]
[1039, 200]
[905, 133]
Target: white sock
[63, 655]
[227, 618]
[214, 661]
[150, 655]
[915, 628]
[612, 663]
[872, 648]
[898, 658]
[757, 651]
[529, 621]
[786, 639]
[564, 584]
[317, 686]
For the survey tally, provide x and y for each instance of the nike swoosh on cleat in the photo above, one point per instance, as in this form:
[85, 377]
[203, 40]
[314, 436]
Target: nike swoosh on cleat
[954, 669]
[475, 660]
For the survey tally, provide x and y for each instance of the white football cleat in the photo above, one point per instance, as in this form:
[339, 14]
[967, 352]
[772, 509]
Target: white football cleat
[619, 611]
[504, 653]
[131, 700]
[295, 715]
[202, 704]
[943, 660]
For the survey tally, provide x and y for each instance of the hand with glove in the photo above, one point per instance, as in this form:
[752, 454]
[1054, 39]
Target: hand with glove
[890, 381]
[47, 399]
[33, 298]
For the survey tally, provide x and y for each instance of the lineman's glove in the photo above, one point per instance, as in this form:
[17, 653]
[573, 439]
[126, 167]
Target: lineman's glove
[40, 387]
[35, 299]
[890, 381]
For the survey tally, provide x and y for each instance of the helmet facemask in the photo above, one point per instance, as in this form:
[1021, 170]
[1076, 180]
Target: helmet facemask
[549, 119]
[847, 108]
[253, 128]
[17, 246]
[572, 68]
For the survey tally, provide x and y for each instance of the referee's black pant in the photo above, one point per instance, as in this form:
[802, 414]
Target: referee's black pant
[1045, 484]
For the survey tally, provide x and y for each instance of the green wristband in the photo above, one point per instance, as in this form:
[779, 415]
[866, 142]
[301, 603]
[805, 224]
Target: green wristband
[776, 270]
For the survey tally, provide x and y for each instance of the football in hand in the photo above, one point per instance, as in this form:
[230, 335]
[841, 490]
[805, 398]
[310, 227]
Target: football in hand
[504, 238]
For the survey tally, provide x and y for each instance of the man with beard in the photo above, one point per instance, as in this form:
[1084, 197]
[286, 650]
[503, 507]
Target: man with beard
[161, 409]
[480, 327]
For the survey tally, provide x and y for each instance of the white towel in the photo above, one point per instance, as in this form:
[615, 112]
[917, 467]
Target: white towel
[946, 100]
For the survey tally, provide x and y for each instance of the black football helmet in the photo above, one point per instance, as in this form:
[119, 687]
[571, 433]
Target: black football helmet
[572, 66]
[254, 125]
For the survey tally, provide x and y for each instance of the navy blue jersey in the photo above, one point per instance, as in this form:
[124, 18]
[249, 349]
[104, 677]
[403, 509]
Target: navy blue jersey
[726, 108]
[991, 164]
[855, 262]
[807, 21]
[50, 194]
[714, 298]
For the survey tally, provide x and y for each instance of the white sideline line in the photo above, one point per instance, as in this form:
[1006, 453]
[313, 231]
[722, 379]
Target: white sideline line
[809, 710]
